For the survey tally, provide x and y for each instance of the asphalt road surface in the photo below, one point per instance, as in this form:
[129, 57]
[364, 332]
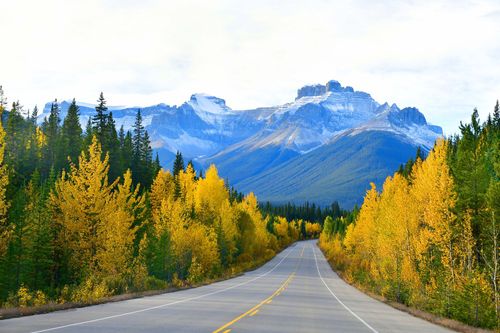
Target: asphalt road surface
[295, 292]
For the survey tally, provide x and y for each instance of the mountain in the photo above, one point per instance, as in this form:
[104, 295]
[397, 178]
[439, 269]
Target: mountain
[326, 145]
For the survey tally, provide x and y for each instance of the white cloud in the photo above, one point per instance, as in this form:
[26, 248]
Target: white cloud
[441, 56]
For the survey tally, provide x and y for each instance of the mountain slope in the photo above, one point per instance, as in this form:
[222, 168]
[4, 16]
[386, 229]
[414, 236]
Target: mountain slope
[341, 170]
[326, 145]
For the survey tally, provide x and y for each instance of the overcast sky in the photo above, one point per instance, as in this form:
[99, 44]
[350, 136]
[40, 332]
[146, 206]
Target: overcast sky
[440, 56]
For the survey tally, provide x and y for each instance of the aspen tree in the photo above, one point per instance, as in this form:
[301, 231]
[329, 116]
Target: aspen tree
[81, 203]
[4, 181]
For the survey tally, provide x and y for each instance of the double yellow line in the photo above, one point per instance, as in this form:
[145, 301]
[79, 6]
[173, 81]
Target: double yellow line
[253, 311]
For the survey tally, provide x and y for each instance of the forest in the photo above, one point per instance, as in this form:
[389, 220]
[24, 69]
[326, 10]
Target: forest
[87, 214]
[430, 237]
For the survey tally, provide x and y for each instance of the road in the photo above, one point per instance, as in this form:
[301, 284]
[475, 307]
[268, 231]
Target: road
[297, 291]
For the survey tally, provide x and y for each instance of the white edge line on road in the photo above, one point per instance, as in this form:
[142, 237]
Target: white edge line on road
[338, 300]
[167, 304]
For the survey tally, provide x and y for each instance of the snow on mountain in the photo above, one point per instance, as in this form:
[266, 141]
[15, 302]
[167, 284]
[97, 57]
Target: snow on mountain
[248, 143]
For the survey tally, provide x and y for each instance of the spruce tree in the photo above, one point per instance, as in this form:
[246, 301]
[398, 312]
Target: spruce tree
[127, 153]
[147, 161]
[51, 130]
[178, 163]
[496, 115]
[100, 119]
[138, 157]
[89, 133]
[112, 146]
[156, 165]
[177, 168]
[72, 133]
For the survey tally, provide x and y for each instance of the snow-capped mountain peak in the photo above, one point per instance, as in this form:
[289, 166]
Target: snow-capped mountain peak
[208, 104]
[205, 125]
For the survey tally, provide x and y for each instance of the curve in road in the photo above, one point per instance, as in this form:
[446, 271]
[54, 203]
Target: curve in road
[297, 291]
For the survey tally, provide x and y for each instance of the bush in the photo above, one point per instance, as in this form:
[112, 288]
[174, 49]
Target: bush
[91, 290]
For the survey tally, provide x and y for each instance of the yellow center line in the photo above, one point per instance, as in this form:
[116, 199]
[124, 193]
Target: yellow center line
[255, 307]
[253, 311]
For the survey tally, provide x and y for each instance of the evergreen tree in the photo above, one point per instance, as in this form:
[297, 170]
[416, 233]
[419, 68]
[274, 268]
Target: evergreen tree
[15, 142]
[178, 163]
[177, 169]
[303, 234]
[496, 115]
[100, 120]
[72, 133]
[88, 135]
[113, 149]
[156, 166]
[39, 235]
[127, 153]
[51, 130]
[140, 150]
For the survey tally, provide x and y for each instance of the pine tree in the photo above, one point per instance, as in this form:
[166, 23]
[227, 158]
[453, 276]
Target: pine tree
[88, 135]
[121, 136]
[51, 130]
[72, 133]
[148, 161]
[39, 235]
[178, 163]
[156, 166]
[100, 120]
[15, 142]
[127, 153]
[303, 233]
[112, 147]
[139, 158]
[496, 115]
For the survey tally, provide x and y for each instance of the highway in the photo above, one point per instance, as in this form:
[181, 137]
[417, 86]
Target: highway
[297, 291]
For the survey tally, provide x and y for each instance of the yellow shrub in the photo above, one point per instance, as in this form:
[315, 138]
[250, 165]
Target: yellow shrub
[40, 298]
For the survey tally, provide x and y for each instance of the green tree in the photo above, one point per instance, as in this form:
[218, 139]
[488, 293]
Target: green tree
[72, 133]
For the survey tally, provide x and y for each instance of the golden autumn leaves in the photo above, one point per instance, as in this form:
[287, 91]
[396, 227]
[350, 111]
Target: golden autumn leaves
[190, 231]
[96, 217]
[4, 179]
[407, 242]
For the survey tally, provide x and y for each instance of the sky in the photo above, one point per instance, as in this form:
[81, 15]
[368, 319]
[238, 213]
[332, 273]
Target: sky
[442, 56]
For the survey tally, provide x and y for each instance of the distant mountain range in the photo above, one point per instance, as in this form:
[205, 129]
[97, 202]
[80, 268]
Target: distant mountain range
[327, 145]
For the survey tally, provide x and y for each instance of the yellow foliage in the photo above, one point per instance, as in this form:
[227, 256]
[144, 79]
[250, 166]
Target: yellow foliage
[5, 231]
[281, 231]
[24, 297]
[196, 242]
[117, 232]
[90, 290]
[211, 192]
[360, 239]
[434, 197]
[81, 203]
[39, 298]
[259, 236]
[313, 230]
[161, 189]
[399, 235]
[188, 185]
[229, 224]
